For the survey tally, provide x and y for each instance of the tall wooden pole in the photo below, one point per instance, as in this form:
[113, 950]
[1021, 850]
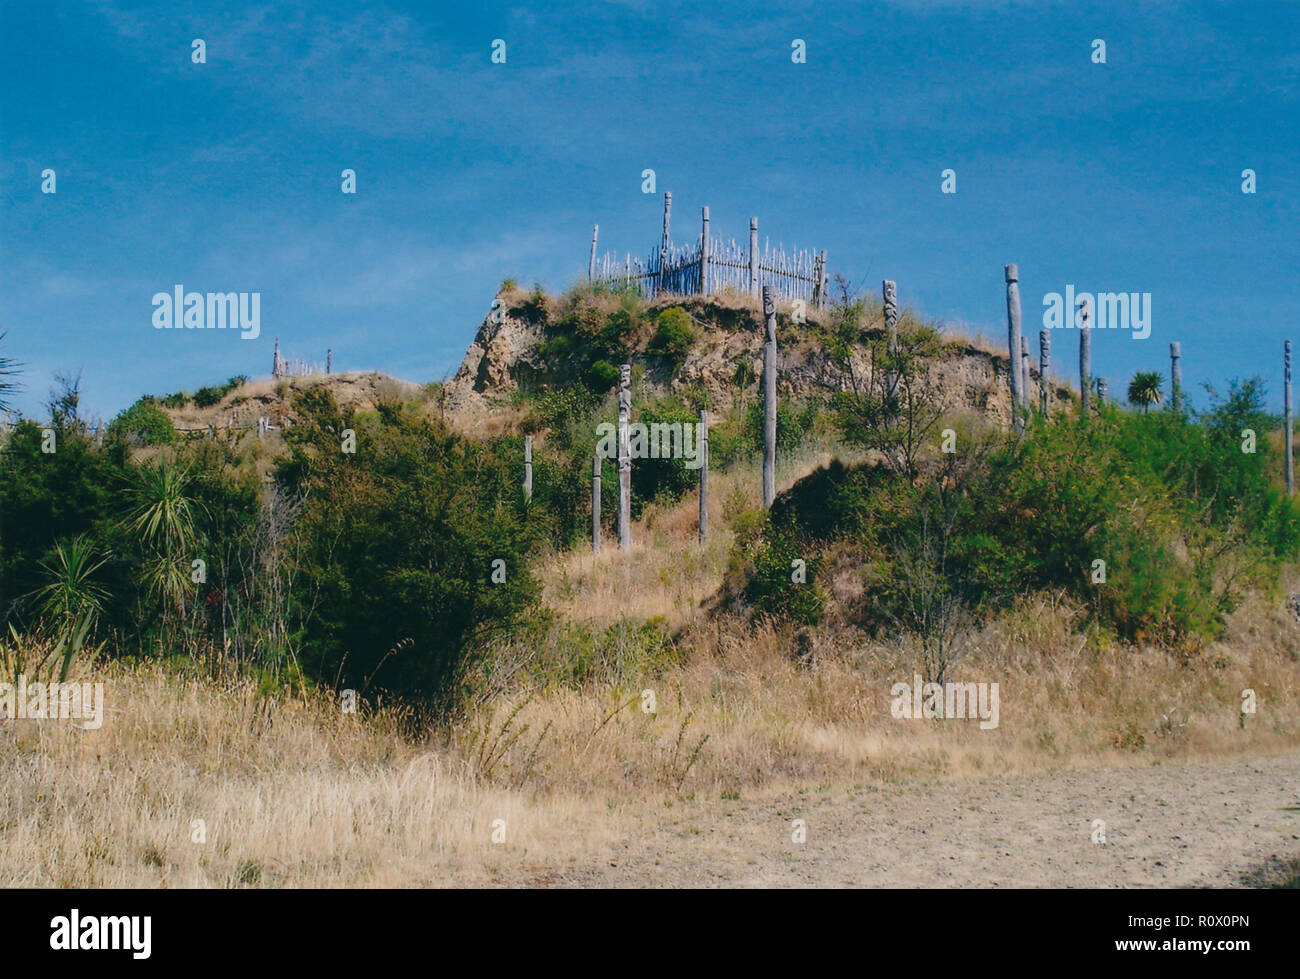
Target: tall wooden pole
[591, 262]
[753, 256]
[702, 444]
[1085, 356]
[1044, 362]
[704, 253]
[1290, 458]
[1024, 370]
[769, 399]
[624, 458]
[528, 467]
[1012, 273]
[595, 504]
[1175, 375]
[889, 290]
[664, 242]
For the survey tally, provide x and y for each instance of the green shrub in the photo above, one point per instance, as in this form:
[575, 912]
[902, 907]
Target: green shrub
[144, 423]
[206, 397]
[1180, 516]
[675, 335]
[399, 547]
[601, 376]
[665, 479]
[774, 587]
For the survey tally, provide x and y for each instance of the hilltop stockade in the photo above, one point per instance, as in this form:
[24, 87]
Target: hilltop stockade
[711, 265]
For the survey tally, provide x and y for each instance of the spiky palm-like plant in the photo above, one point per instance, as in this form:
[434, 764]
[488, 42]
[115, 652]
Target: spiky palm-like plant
[8, 368]
[163, 514]
[71, 600]
[1144, 389]
[71, 590]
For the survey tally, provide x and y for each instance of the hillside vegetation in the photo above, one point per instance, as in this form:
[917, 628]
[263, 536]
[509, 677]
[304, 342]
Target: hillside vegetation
[383, 545]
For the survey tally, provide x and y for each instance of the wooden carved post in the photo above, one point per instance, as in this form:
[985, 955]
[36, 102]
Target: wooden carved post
[890, 290]
[1044, 362]
[753, 256]
[1012, 273]
[816, 281]
[1101, 392]
[704, 254]
[595, 504]
[329, 361]
[1024, 369]
[1085, 356]
[624, 458]
[528, 467]
[825, 280]
[663, 243]
[591, 262]
[1175, 375]
[1286, 397]
[769, 399]
[702, 444]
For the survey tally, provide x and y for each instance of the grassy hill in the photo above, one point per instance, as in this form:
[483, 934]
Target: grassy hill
[498, 660]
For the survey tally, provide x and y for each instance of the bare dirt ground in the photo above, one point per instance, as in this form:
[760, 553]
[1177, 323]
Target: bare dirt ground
[1221, 824]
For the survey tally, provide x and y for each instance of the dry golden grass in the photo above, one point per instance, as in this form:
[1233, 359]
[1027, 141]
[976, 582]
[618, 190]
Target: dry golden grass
[291, 793]
[769, 714]
[271, 397]
[769, 721]
[295, 793]
[665, 574]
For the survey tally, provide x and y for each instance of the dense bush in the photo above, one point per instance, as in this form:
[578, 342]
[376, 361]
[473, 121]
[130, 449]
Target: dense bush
[206, 397]
[411, 548]
[674, 335]
[144, 423]
[1179, 514]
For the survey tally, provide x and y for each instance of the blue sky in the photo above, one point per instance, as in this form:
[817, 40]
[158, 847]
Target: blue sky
[225, 176]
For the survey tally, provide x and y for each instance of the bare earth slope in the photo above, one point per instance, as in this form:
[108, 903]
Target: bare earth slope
[1217, 824]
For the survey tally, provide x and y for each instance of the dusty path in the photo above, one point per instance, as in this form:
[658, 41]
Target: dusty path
[1210, 824]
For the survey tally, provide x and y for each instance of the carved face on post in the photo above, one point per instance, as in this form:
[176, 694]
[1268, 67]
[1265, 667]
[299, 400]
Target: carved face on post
[625, 386]
[769, 312]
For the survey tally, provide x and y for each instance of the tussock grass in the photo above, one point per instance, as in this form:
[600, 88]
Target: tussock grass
[291, 792]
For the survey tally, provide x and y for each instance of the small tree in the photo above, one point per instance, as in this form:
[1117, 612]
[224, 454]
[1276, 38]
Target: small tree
[892, 407]
[1144, 389]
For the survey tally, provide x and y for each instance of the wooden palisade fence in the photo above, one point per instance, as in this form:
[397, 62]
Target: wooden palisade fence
[710, 265]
